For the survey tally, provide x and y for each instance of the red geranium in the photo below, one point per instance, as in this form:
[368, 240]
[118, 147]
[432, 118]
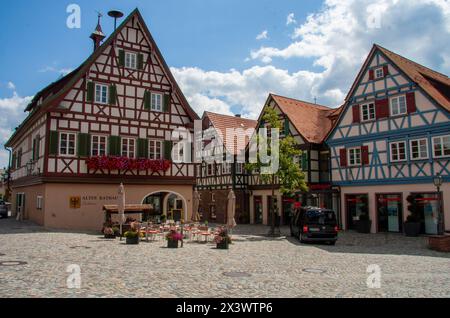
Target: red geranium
[124, 163]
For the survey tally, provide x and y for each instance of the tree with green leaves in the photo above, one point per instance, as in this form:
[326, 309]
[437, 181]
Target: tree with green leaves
[289, 177]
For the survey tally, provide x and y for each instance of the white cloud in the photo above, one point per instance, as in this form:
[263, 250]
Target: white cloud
[11, 86]
[52, 69]
[337, 39]
[263, 35]
[291, 19]
[11, 115]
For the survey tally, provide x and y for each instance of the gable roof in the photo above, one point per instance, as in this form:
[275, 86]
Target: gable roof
[222, 122]
[435, 84]
[56, 91]
[423, 76]
[312, 121]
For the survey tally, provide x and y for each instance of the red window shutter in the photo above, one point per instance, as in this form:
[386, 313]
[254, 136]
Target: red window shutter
[343, 157]
[411, 102]
[385, 70]
[356, 114]
[365, 155]
[371, 75]
[382, 108]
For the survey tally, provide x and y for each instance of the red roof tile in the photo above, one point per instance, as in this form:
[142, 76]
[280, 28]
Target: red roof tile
[222, 122]
[312, 121]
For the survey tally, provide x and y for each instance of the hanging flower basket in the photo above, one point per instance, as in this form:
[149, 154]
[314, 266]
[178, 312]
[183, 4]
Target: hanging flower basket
[125, 163]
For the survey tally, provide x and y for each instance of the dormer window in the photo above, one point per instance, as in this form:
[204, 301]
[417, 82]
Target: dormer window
[130, 60]
[101, 93]
[379, 73]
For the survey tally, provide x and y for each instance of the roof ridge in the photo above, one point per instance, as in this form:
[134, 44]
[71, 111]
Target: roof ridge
[411, 61]
[303, 101]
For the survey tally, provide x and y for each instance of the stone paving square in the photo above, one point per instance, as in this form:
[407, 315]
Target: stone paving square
[254, 266]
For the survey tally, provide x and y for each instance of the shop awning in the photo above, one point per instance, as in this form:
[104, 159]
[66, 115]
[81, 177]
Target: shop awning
[129, 208]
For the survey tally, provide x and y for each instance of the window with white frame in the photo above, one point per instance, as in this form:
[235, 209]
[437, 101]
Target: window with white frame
[39, 200]
[128, 147]
[398, 105]
[101, 93]
[98, 145]
[398, 151]
[155, 149]
[419, 148]
[178, 152]
[379, 73]
[239, 167]
[441, 146]
[130, 60]
[226, 168]
[67, 144]
[368, 111]
[156, 102]
[209, 169]
[354, 156]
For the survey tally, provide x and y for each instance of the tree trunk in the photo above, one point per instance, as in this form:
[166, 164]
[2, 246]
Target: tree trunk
[272, 225]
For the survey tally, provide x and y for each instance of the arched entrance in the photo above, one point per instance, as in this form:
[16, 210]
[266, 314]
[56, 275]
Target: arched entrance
[168, 203]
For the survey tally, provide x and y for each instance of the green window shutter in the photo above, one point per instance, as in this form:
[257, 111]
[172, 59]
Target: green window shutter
[90, 92]
[166, 105]
[112, 94]
[13, 161]
[142, 148]
[304, 160]
[121, 57]
[147, 100]
[33, 151]
[140, 61]
[53, 143]
[38, 146]
[114, 146]
[84, 145]
[167, 149]
[286, 127]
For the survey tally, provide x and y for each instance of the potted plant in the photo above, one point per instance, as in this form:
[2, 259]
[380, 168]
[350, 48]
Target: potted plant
[412, 225]
[222, 239]
[364, 224]
[108, 233]
[133, 234]
[173, 237]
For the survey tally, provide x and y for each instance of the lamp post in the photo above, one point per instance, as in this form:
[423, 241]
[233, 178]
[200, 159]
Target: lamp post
[437, 180]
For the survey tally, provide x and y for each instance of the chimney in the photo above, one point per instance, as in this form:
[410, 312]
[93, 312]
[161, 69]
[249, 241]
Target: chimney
[97, 36]
[237, 115]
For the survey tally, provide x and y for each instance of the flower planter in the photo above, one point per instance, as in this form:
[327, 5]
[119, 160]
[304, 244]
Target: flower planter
[172, 244]
[363, 226]
[412, 229]
[132, 240]
[222, 245]
[440, 243]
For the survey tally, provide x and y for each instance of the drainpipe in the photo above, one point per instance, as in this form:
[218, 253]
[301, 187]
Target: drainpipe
[8, 174]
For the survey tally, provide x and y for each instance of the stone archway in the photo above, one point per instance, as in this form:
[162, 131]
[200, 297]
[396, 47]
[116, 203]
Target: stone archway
[164, 203]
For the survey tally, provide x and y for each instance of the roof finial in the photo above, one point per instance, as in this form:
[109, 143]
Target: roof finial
[97, 36]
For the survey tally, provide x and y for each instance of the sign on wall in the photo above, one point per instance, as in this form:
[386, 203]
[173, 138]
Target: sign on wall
[75, 202]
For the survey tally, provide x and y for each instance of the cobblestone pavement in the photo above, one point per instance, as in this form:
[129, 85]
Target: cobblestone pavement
[254, 266]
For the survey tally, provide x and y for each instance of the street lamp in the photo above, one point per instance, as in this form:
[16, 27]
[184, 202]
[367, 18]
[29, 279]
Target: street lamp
[437, 180]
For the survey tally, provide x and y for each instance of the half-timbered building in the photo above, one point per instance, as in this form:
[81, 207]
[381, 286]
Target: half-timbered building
[308, 124]
[391, 138]
[215, 179]
[109, 121]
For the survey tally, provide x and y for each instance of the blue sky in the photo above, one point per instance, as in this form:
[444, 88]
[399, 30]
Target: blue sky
[218, 50]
